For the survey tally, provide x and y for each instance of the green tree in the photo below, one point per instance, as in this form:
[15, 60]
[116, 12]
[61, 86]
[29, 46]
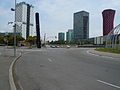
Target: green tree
[31, 40]
[10, 39]
[19, 38]
[2, 40]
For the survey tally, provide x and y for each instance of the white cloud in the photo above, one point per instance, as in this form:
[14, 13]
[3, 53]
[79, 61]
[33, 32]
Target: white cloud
[114, 3]
[5, 17]
[57, 15]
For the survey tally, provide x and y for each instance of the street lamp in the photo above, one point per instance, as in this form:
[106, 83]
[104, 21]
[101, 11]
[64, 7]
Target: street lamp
[12, 9]
[14, 29]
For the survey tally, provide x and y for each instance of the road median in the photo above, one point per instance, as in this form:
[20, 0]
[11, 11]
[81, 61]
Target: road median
[12, 73]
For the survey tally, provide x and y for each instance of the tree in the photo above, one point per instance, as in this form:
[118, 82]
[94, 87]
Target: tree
[2, 40]
[19, 38]
[10, 39]
[31, 40]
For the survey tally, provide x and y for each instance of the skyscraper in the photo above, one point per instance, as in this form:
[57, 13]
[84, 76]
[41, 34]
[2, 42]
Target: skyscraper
[69, 35]
[81, 26]
[24, 14]
[61, 36]
[108, 21]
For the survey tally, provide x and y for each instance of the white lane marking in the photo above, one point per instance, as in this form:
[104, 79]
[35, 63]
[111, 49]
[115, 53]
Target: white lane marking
[99, 55]
[107, 57]
[49, 60]
[92, 53]
[21, 88]
[115, 86]
[26, 53]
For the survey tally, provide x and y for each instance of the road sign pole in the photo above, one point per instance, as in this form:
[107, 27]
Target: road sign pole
[15, 32]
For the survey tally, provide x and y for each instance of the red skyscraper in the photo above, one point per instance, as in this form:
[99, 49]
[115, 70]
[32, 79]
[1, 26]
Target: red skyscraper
[108, 21]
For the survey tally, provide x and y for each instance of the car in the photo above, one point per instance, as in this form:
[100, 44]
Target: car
[53, 46]
[67, 46]
[57, 46]
[2, 44]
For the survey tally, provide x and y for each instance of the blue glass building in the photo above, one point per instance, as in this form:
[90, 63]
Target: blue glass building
[61, 36]
[69, 35]
[81, 26]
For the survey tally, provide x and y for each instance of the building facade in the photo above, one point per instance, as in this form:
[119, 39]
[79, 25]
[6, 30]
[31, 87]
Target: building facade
[69, 35]
[108, 21]
[24, 14]
[61, 36]
[81, 26]
[8, 33]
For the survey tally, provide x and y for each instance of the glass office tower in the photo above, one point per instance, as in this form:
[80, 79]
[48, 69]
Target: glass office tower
[81, 26]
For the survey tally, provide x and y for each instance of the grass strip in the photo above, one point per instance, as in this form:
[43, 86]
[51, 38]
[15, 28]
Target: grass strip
[110, 50]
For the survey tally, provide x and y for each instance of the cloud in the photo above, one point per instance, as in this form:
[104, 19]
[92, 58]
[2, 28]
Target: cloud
[114, 3]
[5, 17]
[57, 15]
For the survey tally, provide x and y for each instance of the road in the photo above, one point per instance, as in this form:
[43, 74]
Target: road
[67, 69]
[6, 59]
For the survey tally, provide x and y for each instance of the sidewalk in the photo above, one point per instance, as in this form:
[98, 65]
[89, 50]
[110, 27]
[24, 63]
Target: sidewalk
[105, 54]
[6, 57]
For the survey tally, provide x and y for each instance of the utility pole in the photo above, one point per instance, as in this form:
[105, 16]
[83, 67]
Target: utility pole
[45, 39]
[15, 32]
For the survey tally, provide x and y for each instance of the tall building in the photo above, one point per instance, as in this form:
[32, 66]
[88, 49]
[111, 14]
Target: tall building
[24, 14]
[69, 35]
[61, 36]
[108, 21]
[81, 26]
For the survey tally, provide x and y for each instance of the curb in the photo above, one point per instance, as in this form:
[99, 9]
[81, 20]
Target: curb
[103, 54]
[11, 78]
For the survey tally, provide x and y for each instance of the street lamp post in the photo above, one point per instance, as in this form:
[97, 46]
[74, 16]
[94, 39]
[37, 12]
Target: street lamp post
[15, 32]
[45, 39]
[14, 29]
[15, 24]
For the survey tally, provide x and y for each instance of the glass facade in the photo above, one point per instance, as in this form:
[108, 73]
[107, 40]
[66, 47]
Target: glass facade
[69, 35]
[8, 33]
[81, 26]
[61, 36]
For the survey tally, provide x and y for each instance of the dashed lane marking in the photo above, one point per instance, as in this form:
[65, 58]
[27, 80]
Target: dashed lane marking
[99, 55]
[49, 60]
[109, 84]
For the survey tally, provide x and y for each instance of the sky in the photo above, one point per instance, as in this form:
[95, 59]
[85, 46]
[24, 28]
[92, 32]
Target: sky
[57, 15]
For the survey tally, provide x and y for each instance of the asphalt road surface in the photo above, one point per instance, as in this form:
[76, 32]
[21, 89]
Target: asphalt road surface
[67, 69]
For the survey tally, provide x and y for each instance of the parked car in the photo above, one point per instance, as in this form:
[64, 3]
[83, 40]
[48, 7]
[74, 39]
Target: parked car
[58, 46]
[67, 46]
[2, 44]
[53, 46]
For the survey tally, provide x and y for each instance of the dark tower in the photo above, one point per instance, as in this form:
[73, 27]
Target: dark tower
[38, 41]
[108, 21]
[81, 26]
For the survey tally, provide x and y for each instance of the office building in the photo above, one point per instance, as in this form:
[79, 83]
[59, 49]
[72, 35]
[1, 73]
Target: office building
[24, 15]
[61, 36]
[108, 21]
[81, 26]
[7, 34]
[69, 35]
